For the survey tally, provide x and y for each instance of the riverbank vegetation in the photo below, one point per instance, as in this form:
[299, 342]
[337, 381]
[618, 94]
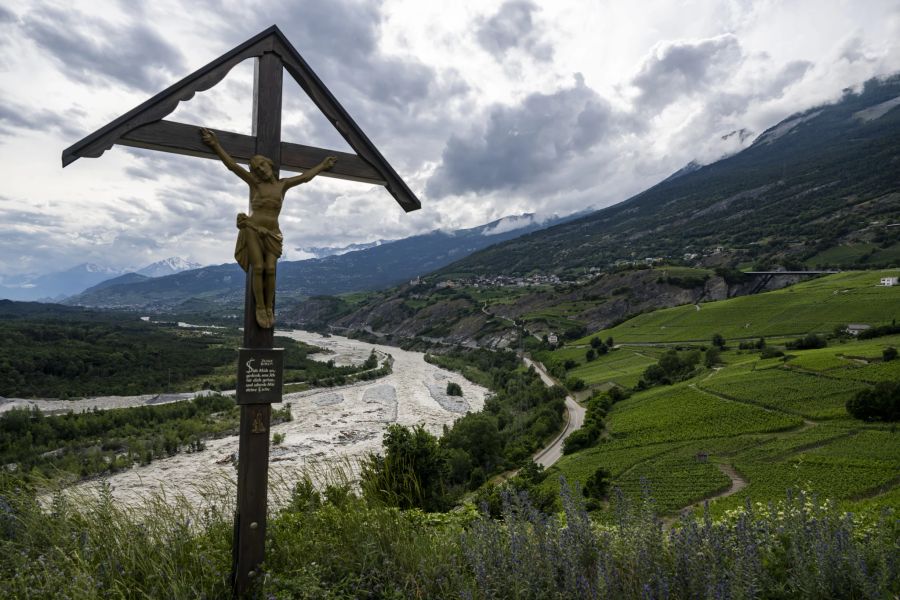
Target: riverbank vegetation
[416, 469]
[73, 354]
[80, 445]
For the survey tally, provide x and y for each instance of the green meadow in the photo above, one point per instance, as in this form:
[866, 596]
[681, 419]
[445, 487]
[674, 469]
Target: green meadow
[816, 306]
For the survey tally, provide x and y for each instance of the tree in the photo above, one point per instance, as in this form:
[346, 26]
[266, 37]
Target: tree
[411, 473]
[575, 384]
[597, 485]
[881, 403]
[454, 389]
[590, 355]
[889, 354]
[718, 341]
[477, 434]
[671, 367]
[808, 342]
[609, 342]
[712, 356]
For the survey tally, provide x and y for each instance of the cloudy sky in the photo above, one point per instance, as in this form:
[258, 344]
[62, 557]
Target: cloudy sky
[485, 108]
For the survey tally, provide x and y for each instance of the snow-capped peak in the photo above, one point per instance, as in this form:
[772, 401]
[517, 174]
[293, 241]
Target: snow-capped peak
[168, 266]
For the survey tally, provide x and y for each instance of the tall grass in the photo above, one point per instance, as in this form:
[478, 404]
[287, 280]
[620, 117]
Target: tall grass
[88, 545]
[325, 541]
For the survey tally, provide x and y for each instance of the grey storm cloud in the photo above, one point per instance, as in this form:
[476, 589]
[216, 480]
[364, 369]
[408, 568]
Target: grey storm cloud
[27, 217]
[398, 100]
[513, 27]
[521, 144]
[724, 104]
[6, 16]
[89, 49]
[684, 68]
[339, 40]
[787, 76]
[15, 116]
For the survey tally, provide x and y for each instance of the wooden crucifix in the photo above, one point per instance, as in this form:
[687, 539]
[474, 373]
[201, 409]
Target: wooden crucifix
[259, 364]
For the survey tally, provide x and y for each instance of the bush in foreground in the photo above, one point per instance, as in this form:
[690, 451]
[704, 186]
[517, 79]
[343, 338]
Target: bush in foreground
[334, 544]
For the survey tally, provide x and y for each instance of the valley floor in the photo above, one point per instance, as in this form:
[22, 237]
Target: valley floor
[331, 427]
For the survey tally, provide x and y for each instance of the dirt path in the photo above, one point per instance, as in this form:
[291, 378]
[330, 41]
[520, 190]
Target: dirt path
[737, 484]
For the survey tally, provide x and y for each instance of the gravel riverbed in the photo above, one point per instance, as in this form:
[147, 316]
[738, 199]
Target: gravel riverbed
[331, 426]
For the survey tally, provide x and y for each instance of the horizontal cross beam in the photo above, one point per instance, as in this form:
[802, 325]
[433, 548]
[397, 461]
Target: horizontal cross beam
[179, 138]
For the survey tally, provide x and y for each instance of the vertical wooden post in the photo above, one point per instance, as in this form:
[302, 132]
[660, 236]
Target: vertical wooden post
[248, 549]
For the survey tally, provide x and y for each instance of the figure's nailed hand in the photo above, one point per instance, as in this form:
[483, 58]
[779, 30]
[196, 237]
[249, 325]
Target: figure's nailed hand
[209, 138]
[328, 162]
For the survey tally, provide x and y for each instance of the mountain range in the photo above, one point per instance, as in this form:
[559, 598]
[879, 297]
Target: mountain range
[59, 285]
[820, 188]
[375, 267]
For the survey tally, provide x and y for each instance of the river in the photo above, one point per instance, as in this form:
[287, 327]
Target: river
[331, 427]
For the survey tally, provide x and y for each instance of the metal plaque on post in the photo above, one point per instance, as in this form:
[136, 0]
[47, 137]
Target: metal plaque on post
[260, 375]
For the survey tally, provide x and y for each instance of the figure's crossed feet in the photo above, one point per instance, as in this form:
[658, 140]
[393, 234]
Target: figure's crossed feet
[270, 315]
[262, 317]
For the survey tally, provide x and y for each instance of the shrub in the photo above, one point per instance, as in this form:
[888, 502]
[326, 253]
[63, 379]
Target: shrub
[809, 342]
[769, 352]
[454, 389]
[889, 354]
[597, 485]
[712, 356]
[575, 384]
[578, 440]
[411, 472]
[879, 331]
[881, 403]
[672, 367]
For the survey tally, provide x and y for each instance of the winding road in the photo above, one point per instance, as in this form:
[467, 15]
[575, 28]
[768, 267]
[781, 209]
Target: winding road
[574, 420]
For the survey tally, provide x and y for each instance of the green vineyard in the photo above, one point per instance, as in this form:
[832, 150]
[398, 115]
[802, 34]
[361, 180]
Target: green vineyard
[818, 306]
[778, 423]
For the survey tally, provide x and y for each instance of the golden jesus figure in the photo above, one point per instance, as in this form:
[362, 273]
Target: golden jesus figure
[259, 242]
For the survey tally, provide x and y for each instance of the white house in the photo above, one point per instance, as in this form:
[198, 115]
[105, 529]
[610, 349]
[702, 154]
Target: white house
[856, 328]
[889, 281]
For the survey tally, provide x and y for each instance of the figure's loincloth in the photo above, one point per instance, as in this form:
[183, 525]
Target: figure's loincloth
[271, 242]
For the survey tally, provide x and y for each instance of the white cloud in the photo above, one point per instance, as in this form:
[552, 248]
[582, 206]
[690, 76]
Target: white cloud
[473, 102]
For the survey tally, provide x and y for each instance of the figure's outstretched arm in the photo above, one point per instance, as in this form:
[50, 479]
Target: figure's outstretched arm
[326, 164]
[210, 139]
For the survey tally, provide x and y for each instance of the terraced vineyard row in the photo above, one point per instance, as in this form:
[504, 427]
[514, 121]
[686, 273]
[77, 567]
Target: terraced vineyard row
[789, 391]
[674, 480]
[681, 413]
